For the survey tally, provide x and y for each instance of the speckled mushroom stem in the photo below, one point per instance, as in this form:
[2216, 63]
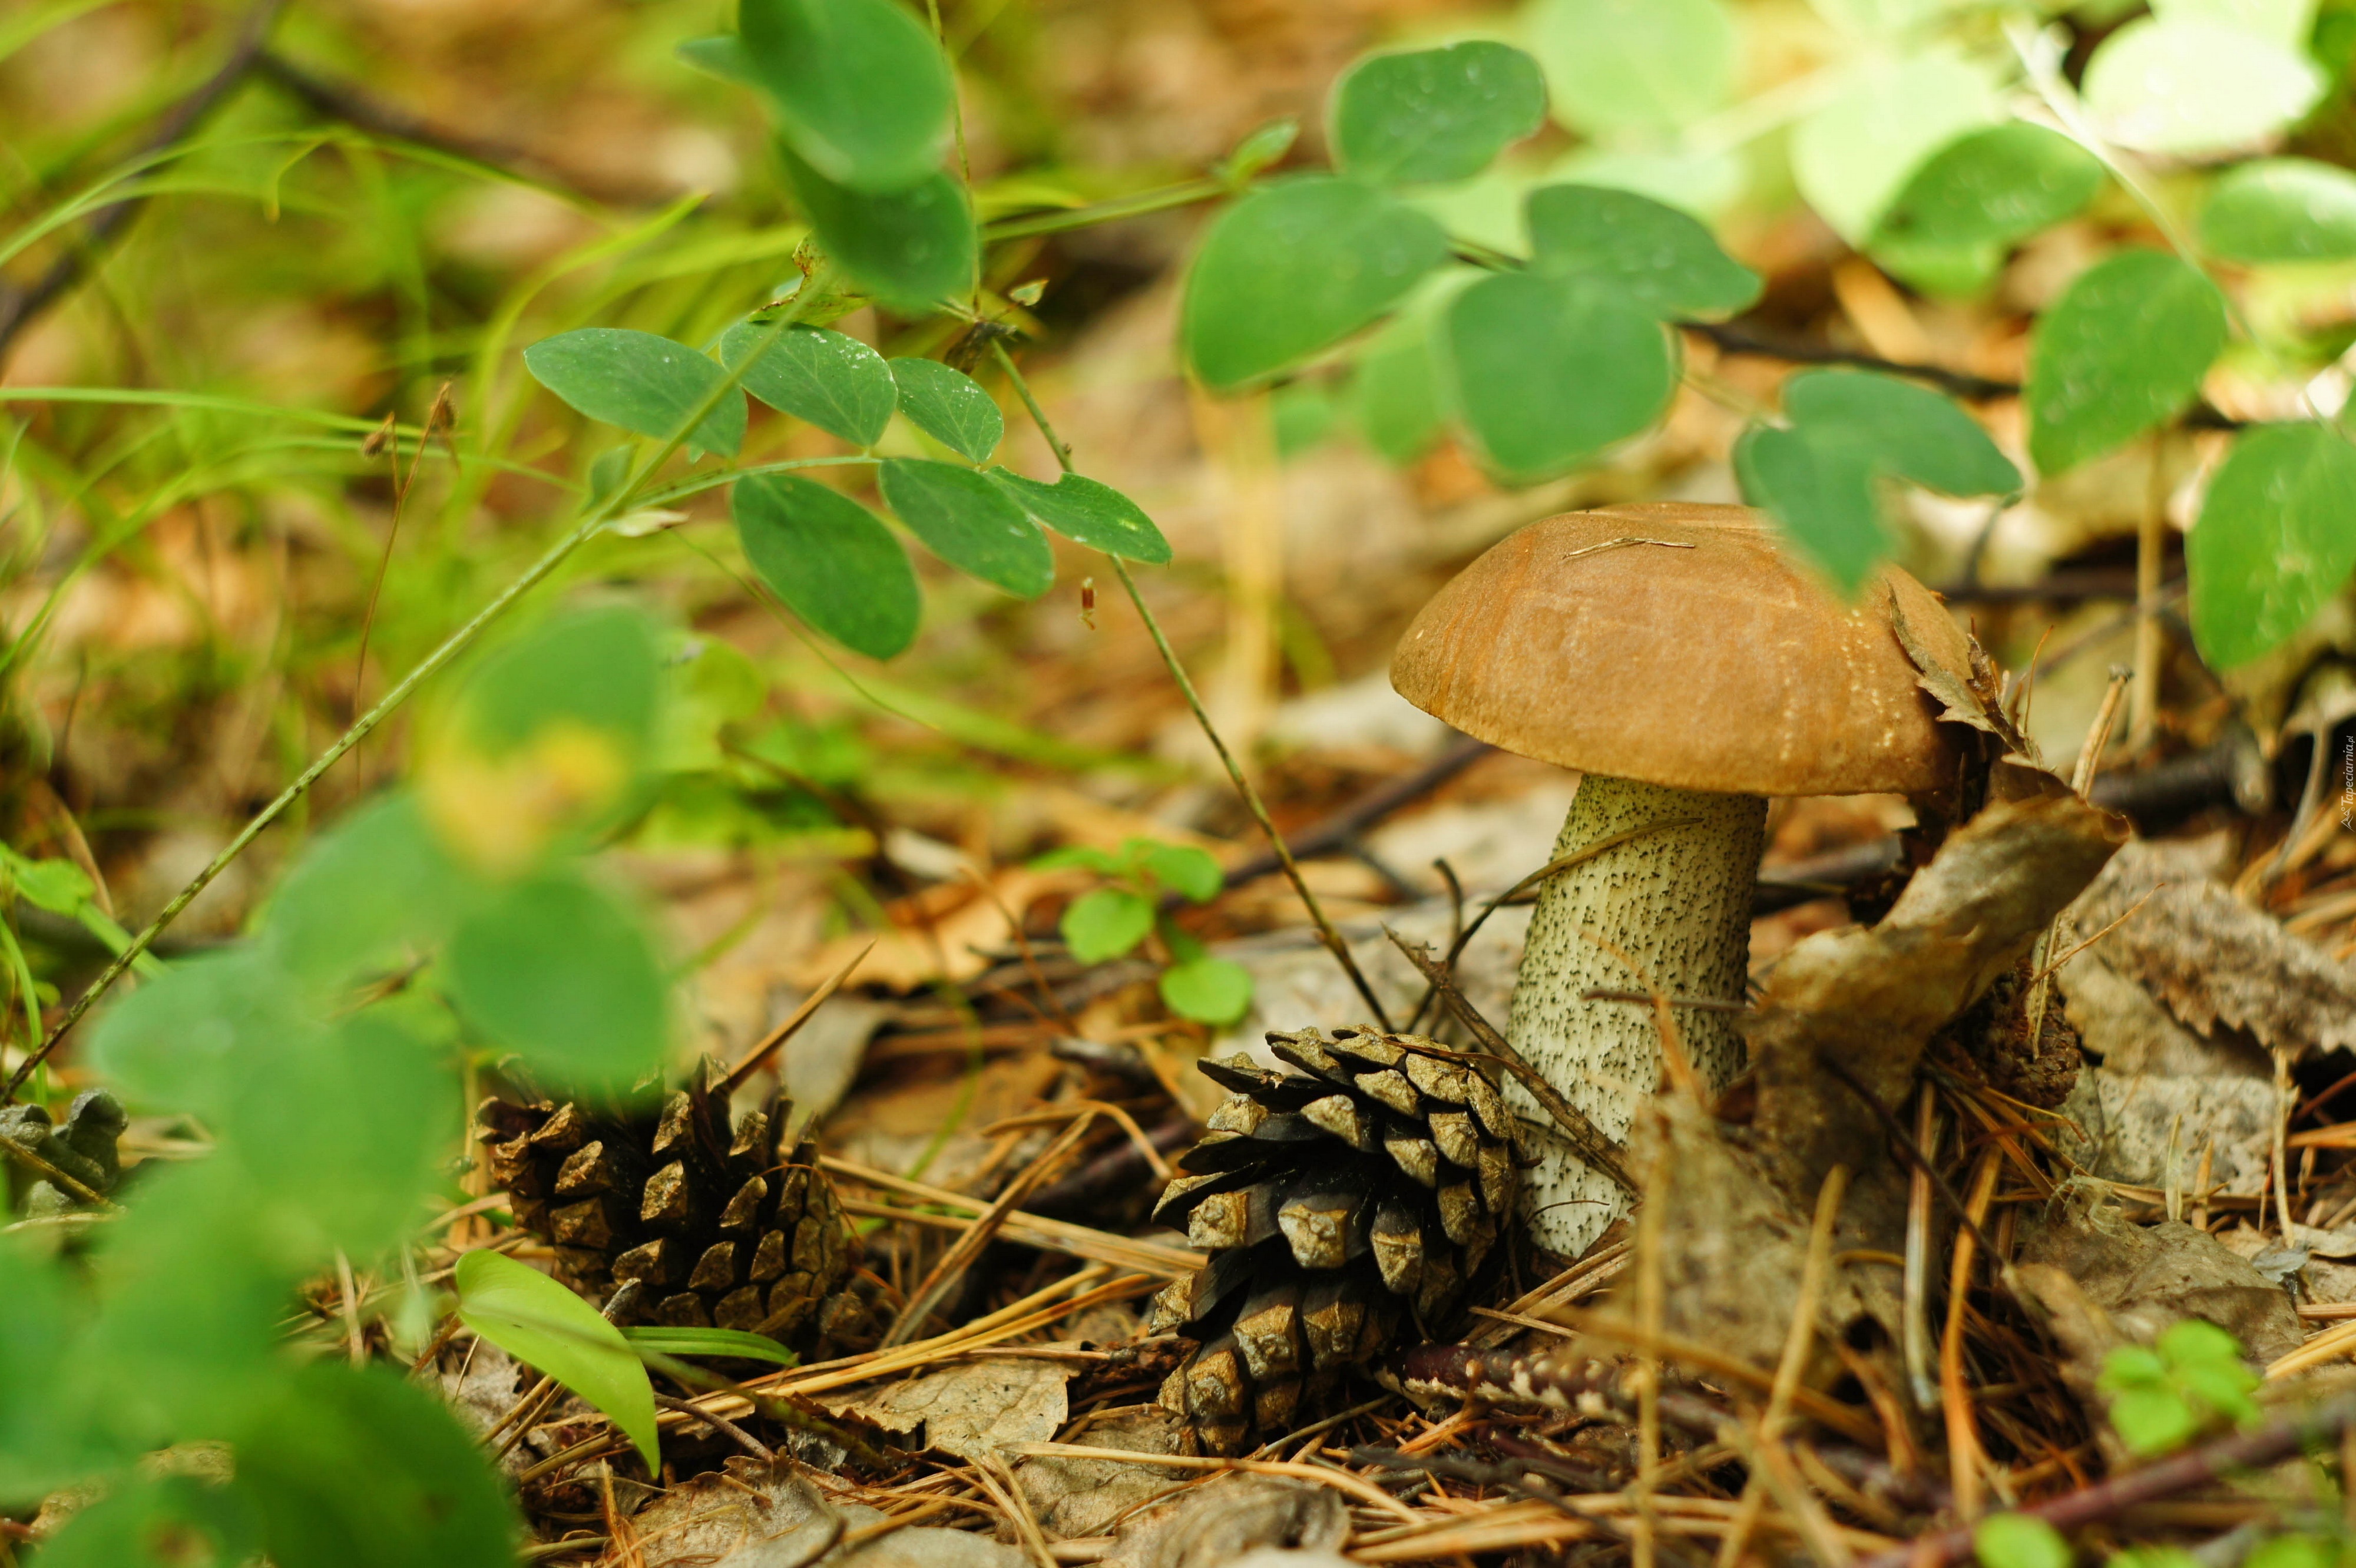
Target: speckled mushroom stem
[1667, 910]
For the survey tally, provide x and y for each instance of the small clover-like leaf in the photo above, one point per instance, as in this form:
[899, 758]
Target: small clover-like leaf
[1434, 114]
[1295, 266]
[1184, 869]
[1667, 260]
[1106, 924]
[1207, 990]
[2275, 540]
[2016, 1541]
[2123, 349]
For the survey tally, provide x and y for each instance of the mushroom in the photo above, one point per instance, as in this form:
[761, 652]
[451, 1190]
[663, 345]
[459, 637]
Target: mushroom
[1688, 668]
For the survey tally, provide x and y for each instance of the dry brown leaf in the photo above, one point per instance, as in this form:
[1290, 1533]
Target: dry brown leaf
[1213, 1524]
[2212, 959]
[1087, 1497]
[973, 1408]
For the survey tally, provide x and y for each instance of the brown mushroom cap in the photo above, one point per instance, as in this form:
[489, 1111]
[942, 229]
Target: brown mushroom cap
[1726, 667]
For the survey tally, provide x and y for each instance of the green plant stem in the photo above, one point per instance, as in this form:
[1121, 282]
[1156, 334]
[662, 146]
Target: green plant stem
[599, 515]
[1326, 934]
[1185, 193]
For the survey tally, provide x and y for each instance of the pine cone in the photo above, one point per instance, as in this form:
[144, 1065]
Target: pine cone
[721, 1227]
[1372, 1181]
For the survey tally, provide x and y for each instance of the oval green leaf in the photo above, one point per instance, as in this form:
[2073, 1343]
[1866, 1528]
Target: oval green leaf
[1634, 64]
[829, 378]
[2189, 86]
[2016, 1541]
[1184, 869]
[2281, 210]
[971, 522]
[950, 406]
[1295, 266]
[1089, 512]
[598, 668]
[1851, 157]
[1395, 391]
[1899, 428]
[831, 560]
[364, 895]
[2276, 537]
[358, 1467]
[543, 1325]
[555, 970]
[1207, 990]
[861, 91]
[1106, 924]
[1434, 114]
[2123, 349]
[1822, 495]
[720, 54]
[1545, 372]
[1992, 187]
[1664, 259]
[911, 248]
[735, 1342]
[640, 382]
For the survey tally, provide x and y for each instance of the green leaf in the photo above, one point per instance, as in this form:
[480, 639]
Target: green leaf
[555, 970]
[176, 1042]
[1395, 394]
[2152, 1420]
[1106, 924]
[58, 885]
[911, 248]
[45, 1443]
[1848, 427]
[721, 55]
[599, 670]
[2281, 210]
[2288, 1552]
[735, 1342]
[2190, 86]
[540, 1323]
[2132, 1367]
[2287, 22]
[829, 378]
[1822, 495]
[639, 381]
[950, 406]
[2192, 1341]
[2276, 537]
[1990, 188]
[2124, 348]
[1434, 114]
[1186, 870]
[365, 894]
[1296, 266]
[1666, 261]
[1900, 428]
[341, 1132]
[358, 1467]
[2016, 1541]
[861, 91]
[1209, 990]
[1634, 64]
[1089, 512]
[1262, 147]
[158, 1521]
[1545, 372]
[1853, 157]
[969, 522]
[831, 560]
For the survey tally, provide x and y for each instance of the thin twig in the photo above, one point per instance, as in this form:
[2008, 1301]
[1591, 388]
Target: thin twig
[777, 1036]
[721, 1424]
[1594, 1145]
[1326, 934]
[2252, 1450]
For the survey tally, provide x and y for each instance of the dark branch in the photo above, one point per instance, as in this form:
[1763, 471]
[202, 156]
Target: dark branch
[18, 307]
